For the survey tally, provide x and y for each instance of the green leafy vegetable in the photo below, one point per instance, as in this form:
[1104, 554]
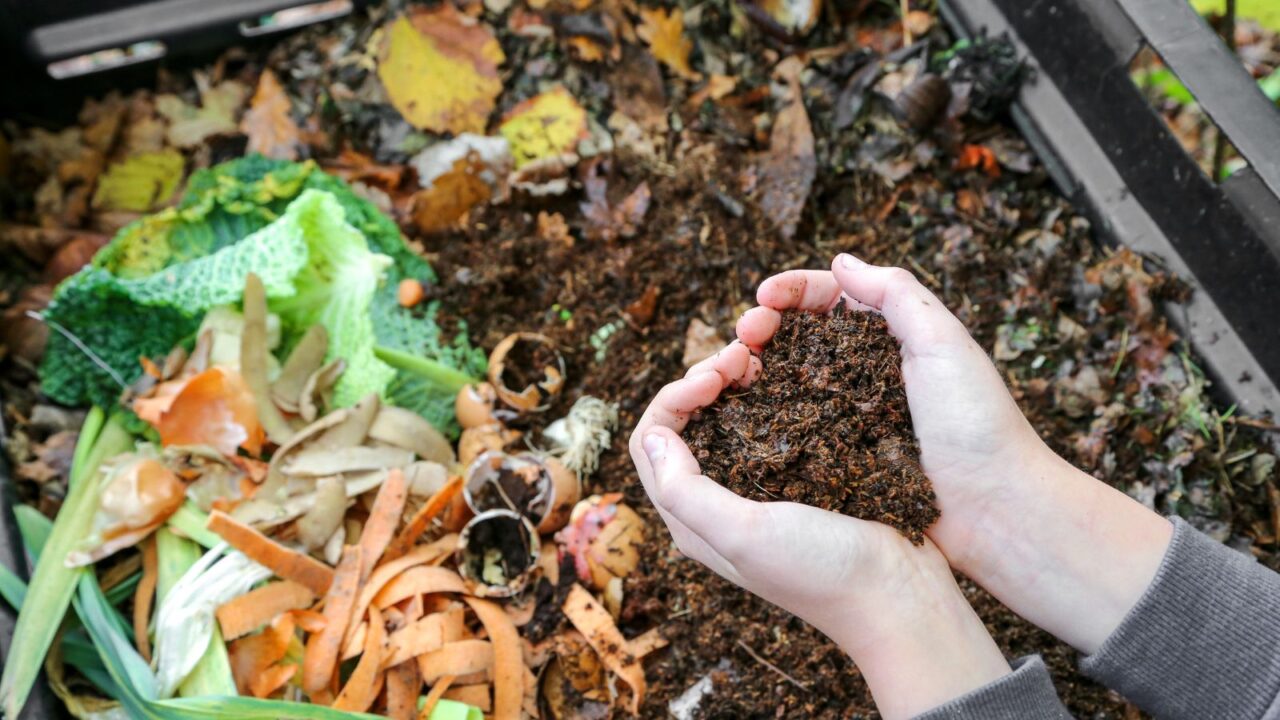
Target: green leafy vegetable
[324, 254]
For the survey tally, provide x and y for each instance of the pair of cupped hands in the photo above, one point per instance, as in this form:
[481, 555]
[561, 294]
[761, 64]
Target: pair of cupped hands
[1015, 518]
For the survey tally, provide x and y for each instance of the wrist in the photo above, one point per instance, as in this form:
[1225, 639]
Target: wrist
[1064, 550]
[917, 642]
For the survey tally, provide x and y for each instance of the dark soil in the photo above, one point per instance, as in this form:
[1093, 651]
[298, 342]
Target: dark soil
[827, 425]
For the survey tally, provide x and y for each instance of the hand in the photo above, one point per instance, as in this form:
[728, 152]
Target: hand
[890, 605]
[1056, 546]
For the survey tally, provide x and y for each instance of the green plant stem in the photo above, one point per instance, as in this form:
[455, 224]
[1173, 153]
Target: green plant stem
[53, 583]
[190, 521]
[436, 372]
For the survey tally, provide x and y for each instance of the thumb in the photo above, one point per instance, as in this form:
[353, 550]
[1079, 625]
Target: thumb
[915, 316]
[711, 511]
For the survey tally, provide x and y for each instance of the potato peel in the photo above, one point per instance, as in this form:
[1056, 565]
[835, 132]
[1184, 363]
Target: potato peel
[594, 622]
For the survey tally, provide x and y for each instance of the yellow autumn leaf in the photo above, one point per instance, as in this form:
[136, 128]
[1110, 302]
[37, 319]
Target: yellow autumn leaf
[665, 34]
[545, 126]
[440, 70]
[141, 182]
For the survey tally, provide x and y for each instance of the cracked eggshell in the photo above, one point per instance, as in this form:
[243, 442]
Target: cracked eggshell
[527, 479]
[537, 386]
[475, 405]
[566, 492]
[497, 553]
[483, 438]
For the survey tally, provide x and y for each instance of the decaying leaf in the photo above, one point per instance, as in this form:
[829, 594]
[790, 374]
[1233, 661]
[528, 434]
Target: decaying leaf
[546, 126]
[440, 70]
[796, 17]
[189, 125]
[139, 183]
[664, 31]
[611, 223]
[267, 122]
[977, 156]
[788, 169]
[701, 341]
[456, 176]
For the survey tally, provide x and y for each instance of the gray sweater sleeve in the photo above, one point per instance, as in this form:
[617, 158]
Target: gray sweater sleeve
[1203, 640]
[1024, 694]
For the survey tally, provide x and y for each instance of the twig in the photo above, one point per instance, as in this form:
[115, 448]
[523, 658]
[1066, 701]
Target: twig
[93, 357]
[1253, 423]
[905, 5]
[771, 666]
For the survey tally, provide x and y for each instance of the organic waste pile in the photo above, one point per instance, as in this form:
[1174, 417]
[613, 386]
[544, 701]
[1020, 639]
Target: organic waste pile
[826, 424]
[527, 254]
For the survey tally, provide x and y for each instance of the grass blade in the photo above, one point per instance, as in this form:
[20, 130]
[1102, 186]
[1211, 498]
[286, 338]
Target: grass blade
[12, 589]
[53, 583]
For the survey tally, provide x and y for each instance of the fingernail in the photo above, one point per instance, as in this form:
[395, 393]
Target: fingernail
[849, 262]
[655, 446]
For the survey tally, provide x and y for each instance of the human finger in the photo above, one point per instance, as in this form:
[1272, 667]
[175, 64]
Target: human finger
[915, 316]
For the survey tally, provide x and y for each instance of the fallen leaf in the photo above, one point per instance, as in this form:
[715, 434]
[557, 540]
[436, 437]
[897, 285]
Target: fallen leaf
[788, 169]
[609, 223]
[52, 458]
[440, 70]
[456, 176]
[140, 183]
[189, 125]
[977, 156]
[641, 311]
[545, 126]
[664, 31]
[701, 341]
[797, 17]
[553, 228]
[584, 49]
[267, 122]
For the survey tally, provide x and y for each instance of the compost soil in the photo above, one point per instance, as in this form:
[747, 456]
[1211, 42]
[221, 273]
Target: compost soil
[826, 424]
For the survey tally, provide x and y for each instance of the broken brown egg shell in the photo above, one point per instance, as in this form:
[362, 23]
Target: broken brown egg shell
[497, 553]
[520, 483]
[566, 491]
[478, 440]
[475, 404]
[526, 371]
